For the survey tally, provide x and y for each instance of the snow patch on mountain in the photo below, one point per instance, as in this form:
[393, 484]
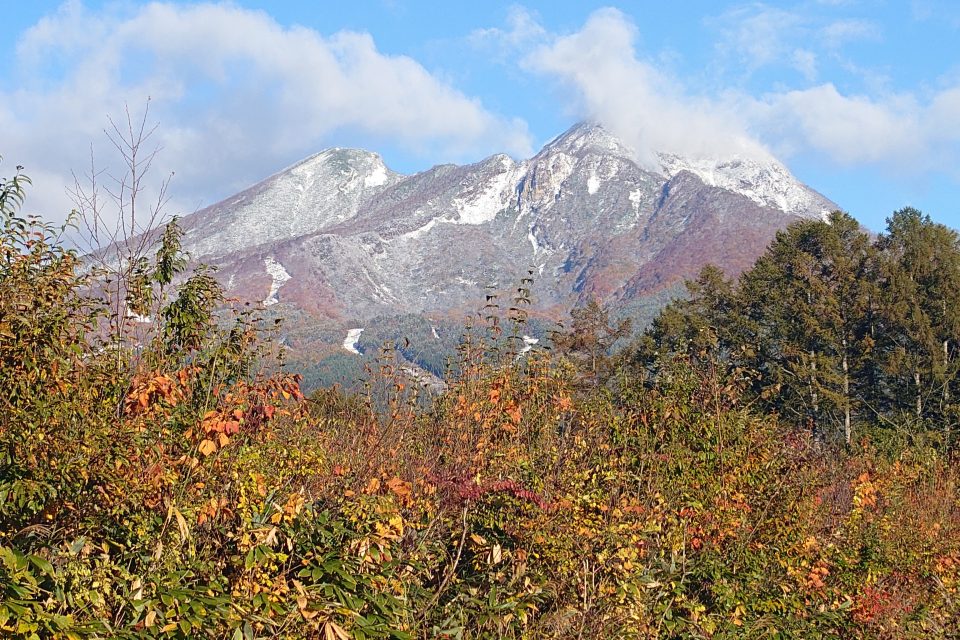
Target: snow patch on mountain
[768, 184]
[528, 344]
[380, 289]
[279, 277]
[593, 184]
[588, 136]
[137, 318]
[533, 241]
[376, 178]
[483, 203]
[325, 189]
[352, 340]
[419, 231]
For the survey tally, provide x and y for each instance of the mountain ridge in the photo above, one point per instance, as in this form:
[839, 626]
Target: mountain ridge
[341, 236]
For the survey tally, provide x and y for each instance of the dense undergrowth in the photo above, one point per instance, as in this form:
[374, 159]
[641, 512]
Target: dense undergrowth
[162, 484]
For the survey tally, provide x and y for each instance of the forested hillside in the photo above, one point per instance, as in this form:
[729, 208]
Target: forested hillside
[774, 458]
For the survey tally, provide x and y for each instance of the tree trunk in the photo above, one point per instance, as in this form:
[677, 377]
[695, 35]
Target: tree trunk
[916, 381]
[815, 397]
[946, 374]
[946, 395]
[846, 394]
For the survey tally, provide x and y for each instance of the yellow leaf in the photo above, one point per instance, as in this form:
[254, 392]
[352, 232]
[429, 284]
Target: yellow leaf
[224, 440]
[181, 525]
[333, 631]
[150, 620]
[207, 447]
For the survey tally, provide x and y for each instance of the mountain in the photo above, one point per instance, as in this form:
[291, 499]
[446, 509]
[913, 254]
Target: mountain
[341, 236]
[339, 239]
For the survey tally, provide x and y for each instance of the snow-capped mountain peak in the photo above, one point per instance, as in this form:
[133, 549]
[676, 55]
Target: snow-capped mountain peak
[587, 136]
[327, 188]
[769, 183]
[341, 235]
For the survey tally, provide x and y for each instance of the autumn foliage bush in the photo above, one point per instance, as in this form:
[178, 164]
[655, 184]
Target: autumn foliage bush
[176, 484]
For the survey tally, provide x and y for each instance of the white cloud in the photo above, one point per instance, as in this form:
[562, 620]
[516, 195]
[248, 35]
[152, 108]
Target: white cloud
[522, 30]
[847, 129]
[838, 33]
[631, 97]
[805, 62]
[758, 35]
[943, 11]
[609, 82]
[236, 94]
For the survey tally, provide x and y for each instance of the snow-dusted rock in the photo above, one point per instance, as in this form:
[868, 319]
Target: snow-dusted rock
[584, 214]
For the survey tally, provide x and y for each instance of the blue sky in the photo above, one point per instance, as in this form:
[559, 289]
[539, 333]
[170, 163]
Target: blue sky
[859, 98]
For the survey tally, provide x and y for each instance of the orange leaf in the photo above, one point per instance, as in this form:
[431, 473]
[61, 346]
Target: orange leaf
[399, 487]
[207, 447]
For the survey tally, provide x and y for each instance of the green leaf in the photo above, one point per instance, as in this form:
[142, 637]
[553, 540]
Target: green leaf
[42, 564]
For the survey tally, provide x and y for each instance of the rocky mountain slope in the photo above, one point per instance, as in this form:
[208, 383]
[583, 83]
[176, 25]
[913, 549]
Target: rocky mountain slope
[339, 237]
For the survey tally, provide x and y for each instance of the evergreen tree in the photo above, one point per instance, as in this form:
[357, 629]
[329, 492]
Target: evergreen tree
[699, 325]
[919, 267]
[804, 305]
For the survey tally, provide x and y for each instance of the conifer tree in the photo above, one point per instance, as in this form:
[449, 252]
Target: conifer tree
[919, 266]
[698, 324]
[804, 306]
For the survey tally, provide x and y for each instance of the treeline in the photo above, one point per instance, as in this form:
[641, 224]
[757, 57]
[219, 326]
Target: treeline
[839, 331]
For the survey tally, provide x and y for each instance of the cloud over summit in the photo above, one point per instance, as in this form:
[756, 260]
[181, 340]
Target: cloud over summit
[605, 78]
[651, 112]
